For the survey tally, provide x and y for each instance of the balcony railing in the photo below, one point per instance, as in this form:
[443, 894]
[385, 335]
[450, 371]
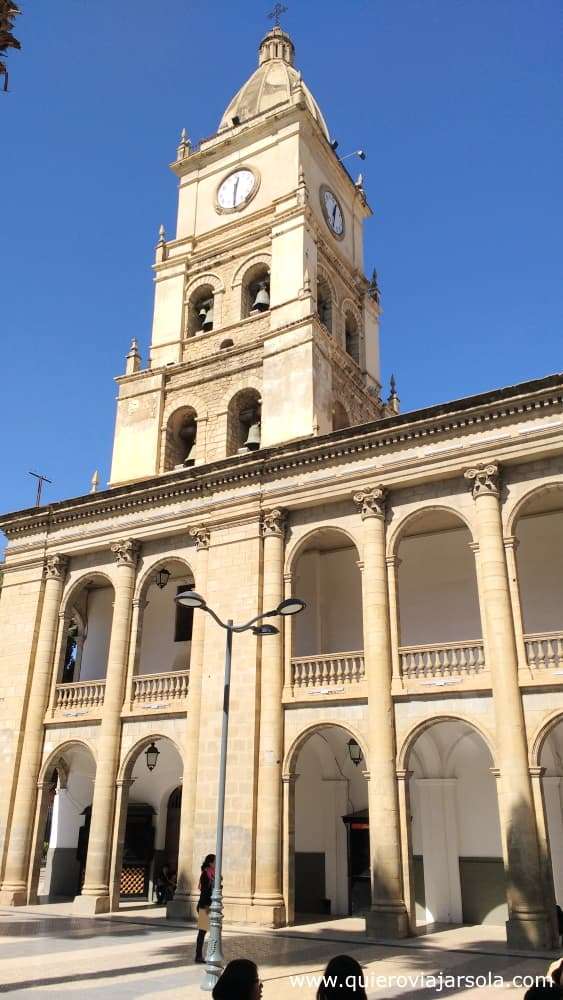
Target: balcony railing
[544, 650]
[84, 695]
[449, 659]
[154, 689]
[331, 671]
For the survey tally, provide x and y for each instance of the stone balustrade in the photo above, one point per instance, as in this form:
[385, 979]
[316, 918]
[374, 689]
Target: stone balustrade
[332, 670]
[152, 689]
[447, 659]
[544, 650]
[85, 696]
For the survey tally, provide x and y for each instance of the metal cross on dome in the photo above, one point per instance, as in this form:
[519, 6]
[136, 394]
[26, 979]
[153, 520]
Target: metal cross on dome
[276, 13]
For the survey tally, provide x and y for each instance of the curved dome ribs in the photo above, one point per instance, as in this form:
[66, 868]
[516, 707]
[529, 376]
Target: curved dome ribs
[271, 85]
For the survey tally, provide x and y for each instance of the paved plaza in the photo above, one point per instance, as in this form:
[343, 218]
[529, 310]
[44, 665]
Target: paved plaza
[47, 952]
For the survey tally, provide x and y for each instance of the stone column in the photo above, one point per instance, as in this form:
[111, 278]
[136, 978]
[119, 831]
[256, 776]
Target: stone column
[123, 786]
[510, 546]
[95, 896]
[14, 886]
[388, 916]
[288, 781]
[528, 925]
[179, 907]
[405, 816]
[268, 885]
[393, 563]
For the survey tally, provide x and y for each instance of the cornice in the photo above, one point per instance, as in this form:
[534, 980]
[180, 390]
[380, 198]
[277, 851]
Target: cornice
[376, 436]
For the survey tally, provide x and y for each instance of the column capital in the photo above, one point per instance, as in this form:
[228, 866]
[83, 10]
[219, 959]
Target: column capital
[371, 501]
[56, 566]
[538, 772]
[126, 551]
[511, 542]
[485, 479]
[403, 774]
[393, 562]
[274, 522]
[201, 536]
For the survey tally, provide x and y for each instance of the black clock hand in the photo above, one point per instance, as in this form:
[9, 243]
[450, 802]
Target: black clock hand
[334, 215]
[235, 192]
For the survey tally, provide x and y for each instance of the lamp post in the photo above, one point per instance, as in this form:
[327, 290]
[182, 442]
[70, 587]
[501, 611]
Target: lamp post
[190, 599]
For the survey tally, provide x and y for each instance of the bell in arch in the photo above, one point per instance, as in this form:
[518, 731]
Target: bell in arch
[262, 300]
[205, 315]
[252, 442]
[187, 435]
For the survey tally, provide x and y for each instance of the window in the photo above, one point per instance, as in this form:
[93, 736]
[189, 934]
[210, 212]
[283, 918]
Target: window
[184, 617]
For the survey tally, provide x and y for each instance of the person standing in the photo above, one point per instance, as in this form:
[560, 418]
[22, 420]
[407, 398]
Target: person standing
[206, 881]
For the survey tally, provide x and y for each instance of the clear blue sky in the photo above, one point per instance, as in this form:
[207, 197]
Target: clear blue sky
[457, 103]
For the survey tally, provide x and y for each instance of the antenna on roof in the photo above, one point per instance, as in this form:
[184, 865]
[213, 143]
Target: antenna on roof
[40, 480]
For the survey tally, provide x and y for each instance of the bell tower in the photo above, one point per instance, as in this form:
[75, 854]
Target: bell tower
[265, 328]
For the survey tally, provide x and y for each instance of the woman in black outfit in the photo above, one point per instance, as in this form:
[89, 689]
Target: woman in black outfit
[206, 880]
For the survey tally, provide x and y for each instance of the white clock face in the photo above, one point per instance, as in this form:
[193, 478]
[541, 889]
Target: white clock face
[236, 190]
[333, 212]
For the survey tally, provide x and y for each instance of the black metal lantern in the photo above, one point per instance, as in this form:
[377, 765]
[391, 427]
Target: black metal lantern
[152, 755]
[355, 751]
[162, 578]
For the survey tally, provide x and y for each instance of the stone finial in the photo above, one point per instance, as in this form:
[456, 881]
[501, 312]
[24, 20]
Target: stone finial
[484, 479]
[274, 522]
[185, 146]
[371, 501]
[161, 235]
[373, 288]
[95, 482]
[56, 566]
[359, 184]
[126, 551]
[201, 537]
[133, 358]
[393, 400]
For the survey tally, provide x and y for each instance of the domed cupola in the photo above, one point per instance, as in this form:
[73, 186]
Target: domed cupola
[272, 84]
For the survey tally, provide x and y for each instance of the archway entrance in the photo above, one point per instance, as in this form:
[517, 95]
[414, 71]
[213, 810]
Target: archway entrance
[64, 825]
[330, 864]
[149, 822]
[457, 863]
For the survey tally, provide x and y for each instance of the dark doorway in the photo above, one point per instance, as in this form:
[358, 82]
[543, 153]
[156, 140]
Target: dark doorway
[359, 880]
[138, 851]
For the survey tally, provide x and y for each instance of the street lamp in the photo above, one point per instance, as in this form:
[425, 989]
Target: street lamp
[191, 599]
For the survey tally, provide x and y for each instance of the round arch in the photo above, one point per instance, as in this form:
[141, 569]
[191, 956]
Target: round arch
[75, 586]
[515, 514]
[301, 739]
[201, 281]
[421, 727]
[137, 749]
[537, 741]
[159, 562]
[324, 275]
[397, 532]
[300, 544]
[51, 761]
[248, 264]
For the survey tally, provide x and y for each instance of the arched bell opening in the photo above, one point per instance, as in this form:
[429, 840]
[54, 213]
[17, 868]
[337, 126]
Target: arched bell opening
[329, 861]
[146, 862]
[65, 807]
[201, 311]
[256, 291]
[457, 866]
[244, 422]
[324, 303]
[181, 435]
[352, 337]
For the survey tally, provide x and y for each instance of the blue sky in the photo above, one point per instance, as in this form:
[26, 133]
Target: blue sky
[457, 103]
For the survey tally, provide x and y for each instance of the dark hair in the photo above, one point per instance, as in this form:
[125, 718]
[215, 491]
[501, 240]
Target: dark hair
[343, 977]
[546, 990]
[237, 982]
[209, 860]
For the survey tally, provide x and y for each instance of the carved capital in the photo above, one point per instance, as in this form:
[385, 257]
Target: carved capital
[56, 567]
[372, 502]
[201, 537]
[485, 480]
[274, 522]
[126, 551]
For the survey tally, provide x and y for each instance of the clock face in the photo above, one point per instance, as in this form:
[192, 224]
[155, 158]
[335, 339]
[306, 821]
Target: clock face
[332, 211]
[236, 190]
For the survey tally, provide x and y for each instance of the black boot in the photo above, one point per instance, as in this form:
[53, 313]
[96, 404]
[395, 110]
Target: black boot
[199, 947]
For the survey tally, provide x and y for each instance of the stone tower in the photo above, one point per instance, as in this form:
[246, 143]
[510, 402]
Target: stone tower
[265, 328]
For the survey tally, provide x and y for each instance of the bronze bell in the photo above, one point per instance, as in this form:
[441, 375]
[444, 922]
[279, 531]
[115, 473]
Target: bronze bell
[252, 442]
[208, 321]
[187, 435]
[262, 301]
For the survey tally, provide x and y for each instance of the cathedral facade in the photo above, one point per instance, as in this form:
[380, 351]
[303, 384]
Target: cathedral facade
[396, 751]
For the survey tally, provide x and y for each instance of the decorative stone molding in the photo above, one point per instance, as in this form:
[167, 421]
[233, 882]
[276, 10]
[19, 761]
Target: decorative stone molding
[511, 542]
[274, 522]
[372, 502]
[485, 480]
[201, 537]
[56, 567]
[126, 551]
